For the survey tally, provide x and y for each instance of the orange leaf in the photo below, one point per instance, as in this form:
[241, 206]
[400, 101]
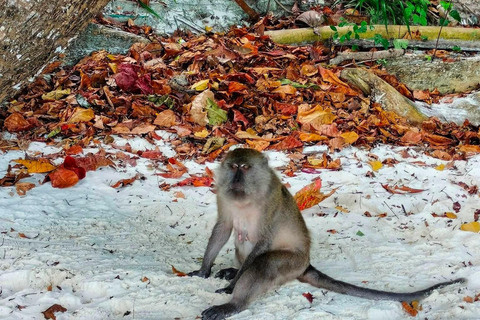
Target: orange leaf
[409, 309]
[178, 273]
[309, 137]
[125, 182]
[316, 117]
[16, 122]
[63, 178]
[74, 150]
[412, 137]
[310, 195]
[235, 86]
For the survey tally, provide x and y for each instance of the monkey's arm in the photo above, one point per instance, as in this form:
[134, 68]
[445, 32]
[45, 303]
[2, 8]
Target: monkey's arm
[260, 247]
[220, 234]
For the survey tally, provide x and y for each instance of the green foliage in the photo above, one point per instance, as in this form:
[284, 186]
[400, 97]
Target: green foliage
[400, 44]
[378, 39]
[457, 49]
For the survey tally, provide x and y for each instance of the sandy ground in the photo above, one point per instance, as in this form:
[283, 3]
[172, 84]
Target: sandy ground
[108, 253]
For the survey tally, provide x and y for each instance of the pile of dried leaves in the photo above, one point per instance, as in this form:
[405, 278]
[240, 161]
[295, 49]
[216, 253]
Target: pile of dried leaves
[214, 91]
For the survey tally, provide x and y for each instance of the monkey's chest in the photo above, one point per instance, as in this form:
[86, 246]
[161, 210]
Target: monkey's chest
[245, 224]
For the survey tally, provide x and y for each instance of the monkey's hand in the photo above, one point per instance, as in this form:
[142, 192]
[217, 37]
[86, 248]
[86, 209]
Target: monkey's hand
[219, 312]
[199, 273]
[227, 290]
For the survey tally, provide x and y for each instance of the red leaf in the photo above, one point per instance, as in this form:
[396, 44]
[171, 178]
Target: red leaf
[286, 108]
[239, 117]
[289, 142]
[309, 296]
[144, 83]
[195, 181]
[126, 77]
[63, 178]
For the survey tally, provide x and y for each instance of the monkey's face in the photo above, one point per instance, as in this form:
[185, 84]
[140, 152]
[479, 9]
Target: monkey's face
[244, 173]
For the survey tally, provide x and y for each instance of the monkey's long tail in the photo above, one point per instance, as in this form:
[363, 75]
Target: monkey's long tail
[321, 280]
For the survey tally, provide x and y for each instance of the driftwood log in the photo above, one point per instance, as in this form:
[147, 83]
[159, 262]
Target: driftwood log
[383, 93]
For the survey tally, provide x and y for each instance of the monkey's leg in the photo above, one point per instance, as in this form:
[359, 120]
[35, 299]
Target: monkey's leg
[227, 273]
[267, 271]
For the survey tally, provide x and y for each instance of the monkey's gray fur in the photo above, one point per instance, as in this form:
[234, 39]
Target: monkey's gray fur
[272, 242]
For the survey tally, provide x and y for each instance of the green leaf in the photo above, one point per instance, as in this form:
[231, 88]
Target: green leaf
[360, 233]
[215, 115]
[446, 5]
[455, 15]
[400, 44]
[54, 132]
[333, 28]
[82, 102]
[150, 10]
[457, 49]
[298, 85]
[161, 100]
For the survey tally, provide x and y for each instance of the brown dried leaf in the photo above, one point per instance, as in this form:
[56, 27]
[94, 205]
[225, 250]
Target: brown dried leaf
[199, 104]
[23, 187]
[166, 119]
[50, 312]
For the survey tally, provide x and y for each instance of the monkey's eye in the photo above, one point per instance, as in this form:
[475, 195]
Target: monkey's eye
[245, 166]
[234, 166]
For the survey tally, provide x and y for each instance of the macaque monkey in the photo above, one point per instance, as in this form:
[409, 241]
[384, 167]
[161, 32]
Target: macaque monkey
[272, 242]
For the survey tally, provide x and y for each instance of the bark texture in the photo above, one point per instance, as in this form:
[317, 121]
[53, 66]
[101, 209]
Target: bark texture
[33, 32]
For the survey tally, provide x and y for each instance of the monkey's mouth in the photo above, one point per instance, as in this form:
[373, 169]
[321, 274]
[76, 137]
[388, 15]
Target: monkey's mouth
[237, 190]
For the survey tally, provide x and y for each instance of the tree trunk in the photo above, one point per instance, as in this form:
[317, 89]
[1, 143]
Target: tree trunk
[33, 32]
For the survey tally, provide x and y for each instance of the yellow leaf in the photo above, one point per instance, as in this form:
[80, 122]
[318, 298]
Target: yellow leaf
[349, 137]
[440, 167]
[55, 95]
[113, 66]
[208, 29]
[81, 115]
[200, 85]
[308, 137]
[451, 215]
[201, 134]
[342, 209]
[471, 226]
[315, 161]
[36, 166]
[376, 165]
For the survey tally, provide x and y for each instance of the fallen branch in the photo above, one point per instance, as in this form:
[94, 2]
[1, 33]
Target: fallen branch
[311, 35]
[362, 56]
[445, 44]
[245, 7]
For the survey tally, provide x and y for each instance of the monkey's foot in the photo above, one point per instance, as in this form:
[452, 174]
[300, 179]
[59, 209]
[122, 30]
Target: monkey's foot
[199, 273]
[219, 312]
[227, 290]
[227, 274]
